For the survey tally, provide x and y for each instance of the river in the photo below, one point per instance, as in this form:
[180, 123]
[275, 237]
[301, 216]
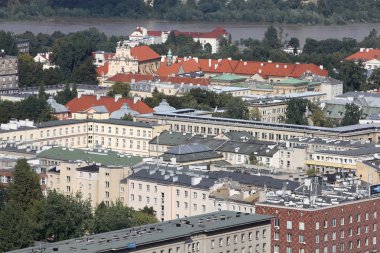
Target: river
[237, 30]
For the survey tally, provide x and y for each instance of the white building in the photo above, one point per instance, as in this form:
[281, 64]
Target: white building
[370, 57]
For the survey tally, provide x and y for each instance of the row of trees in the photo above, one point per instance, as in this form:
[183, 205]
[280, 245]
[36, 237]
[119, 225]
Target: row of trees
[302, 112]
[294, 11]
[26, 216]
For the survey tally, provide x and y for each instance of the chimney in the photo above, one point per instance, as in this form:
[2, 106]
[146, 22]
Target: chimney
[136, 99]
[98, 96]
[286, 66]
[362, 50]
[277, 66]
[245, 63]
[260, 71]
[229, 58]
[163, 57]
[173, 160]
[79, 95]
[133, 80]
[321, 66]
[269, 61]
[262, 64]
[196, 59]
[117, 97]
[195, 180]
[2, 53]
[209, 63]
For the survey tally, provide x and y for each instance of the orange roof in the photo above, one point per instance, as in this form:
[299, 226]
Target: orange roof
[127, 78]
[102, 70]
[216, 33]
[188, 66]
[155, 33]
[365, 54]
[86, 102]
[144, 53]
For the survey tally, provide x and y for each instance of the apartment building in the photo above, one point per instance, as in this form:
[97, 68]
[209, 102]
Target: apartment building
[218, 232]
[118, 135]
[94, 174]
[187, 121]
[8, 71]
[182, 191]
[334, 219]
[334, 161]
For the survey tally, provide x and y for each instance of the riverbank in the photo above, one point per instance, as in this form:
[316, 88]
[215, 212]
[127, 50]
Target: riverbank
[239, 30]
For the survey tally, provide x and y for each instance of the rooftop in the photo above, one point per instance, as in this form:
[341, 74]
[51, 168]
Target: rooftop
[229, 78]
[143, 236]
[331, 142]
[368, 151]
[103, 157]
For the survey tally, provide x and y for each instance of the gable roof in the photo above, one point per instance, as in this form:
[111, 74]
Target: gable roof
[102, 70]
[144, 53]
[87, 101]
[216, 33]
[365, 54]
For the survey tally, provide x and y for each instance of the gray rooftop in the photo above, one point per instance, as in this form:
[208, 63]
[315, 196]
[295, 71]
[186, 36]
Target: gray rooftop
[149, 235]
[331, 142]
[353, 152]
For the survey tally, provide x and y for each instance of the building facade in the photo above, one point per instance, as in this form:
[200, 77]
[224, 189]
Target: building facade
[8, 71]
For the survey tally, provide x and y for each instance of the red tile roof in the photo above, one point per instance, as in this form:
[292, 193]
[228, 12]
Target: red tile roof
[179, 67]
[216, 33]
[365, 54]
[102, 70]
[86, 102]
[144, 53]
[155, 33]
[127, 78]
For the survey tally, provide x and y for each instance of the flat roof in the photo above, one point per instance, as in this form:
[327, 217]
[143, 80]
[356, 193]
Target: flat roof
[105, 158]
[133, 238]
[228, 77]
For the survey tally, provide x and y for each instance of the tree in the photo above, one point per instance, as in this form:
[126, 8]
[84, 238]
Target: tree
[65, 217]
[236, 108]
[35, 109]
[30, 72]
[8, 43]
[25, 188]
[41, 92]
[318, 118]
[65, 95]
[52, 76]
[352, 75]
[140, 218]
[85, 73]
[255, 114]
[352, 115]
[15, 232]
[312, 172]
[295, 113]
[115, 217]
[374, 80]
[120, 88]
[253, 159]
[271, 38]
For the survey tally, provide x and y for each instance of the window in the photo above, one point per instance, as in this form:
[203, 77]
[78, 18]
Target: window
[195, 207]
[140, 198]
[250, 236]
[366, 216]
[228, 241]
[212, 244]
[195, 195]
[358, 217]
[325, 223]
[341, 246]
[317, 239]
[375, 214]
[316, 225]
[178, 193]
[186, 205]
[140, 186]
[342, 234]
[289, 250]
[107, 184]
[326, 237]
[358, 230]
[302, 239]
[301, 226]
[334, 236]
[204, 196]
[289, 225]
[277, 222]
[289, 237]
[276, 249]
[264, 233]
[257, 235]
[186, 194]
[350, 219]
[177, 204]
[334, 222]
[342, 221]
[220, 242]
[107, 194]
[350, 232]
[276, 235]
[133, 185]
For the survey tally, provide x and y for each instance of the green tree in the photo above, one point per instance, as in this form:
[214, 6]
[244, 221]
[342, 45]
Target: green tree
[255, 114]
[25, 188]
[115, 217]
[8, 43]
[52, 76]
[65, 95]
[236, 108]
[140, 218]
[41, 92]
[352, 115]
[65, 217]
[253, 159]
[85, 73]
[30, 72]
[318, 118]
[352, 75]
[16, 231]
[120, 88]
[271, 38]
[295, 113]
[35, 109]
[312, 172]
[374, 80]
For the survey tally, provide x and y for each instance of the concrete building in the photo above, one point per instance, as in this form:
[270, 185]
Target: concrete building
[331, 218]
[117, 135]
[8, 71]
[96, 175]
[328, 85]
[187, 121]
[218, 232]
[369, 57]
[182, 191]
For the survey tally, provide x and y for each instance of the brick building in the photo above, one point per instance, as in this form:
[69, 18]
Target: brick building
[8, 71]
[340, 221]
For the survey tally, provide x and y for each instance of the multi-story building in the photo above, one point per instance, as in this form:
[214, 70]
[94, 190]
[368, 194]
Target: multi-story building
[218, 232]
[182, 191]
[96, 175]
[320, 219]
[369, 57]
[8, 71]
[118, 135]
[186, 122]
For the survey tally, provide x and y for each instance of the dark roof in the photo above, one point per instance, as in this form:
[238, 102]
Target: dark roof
[91, 168]
[261, 181]
[188, 149]
[239, 136]
[375, 163]
[353, 152]
[148, 236]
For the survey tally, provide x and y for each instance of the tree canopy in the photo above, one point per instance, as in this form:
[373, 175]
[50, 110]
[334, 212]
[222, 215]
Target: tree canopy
[352, 115]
